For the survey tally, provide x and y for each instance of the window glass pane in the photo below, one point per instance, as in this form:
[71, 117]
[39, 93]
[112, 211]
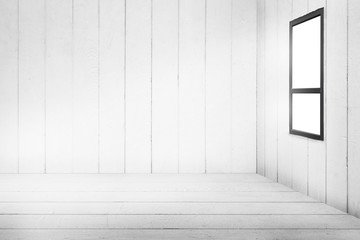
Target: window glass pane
[306, 54]
[306, 112]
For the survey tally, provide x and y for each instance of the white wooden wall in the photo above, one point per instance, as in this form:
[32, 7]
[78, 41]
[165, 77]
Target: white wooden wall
[114, 86]
[353, 107]
[328, 170]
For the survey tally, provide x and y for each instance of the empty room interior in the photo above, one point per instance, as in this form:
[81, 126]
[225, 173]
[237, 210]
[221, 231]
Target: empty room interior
[179, 119]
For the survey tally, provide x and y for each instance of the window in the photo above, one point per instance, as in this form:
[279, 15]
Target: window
[307, 75]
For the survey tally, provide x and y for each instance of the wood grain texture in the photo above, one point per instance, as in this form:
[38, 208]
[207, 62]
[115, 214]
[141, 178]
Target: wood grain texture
[260, 88]
[59, 86]
[112, 86]
[271, 88]
[284, 139]
[354, 108]
[258, 212]
[9, 86]
[165, 86]
[317, 170]
[178, 196]
[268, 234]
[317, 149]
[218, 86]
[192, 86]
[243, 86]
[31, 86]
[165, 208]
[138, 86]
[336, 102]
[179, 221]
[85, 87]
[299, 145]
[94, 88]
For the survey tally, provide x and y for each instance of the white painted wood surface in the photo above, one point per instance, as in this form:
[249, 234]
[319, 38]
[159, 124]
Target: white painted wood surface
[284, 140]
[268, 234]
[353, 108]
[86, 86]
[323, 170]
[179, 221]
[317, 171]
[105, 85]
[31, 86]
[179, 196]
[177, 215]
[192, 86]
[9, 86]
[218, 86]
[165, 208]
[271, 89]
[317, 149]
[260, 88]
[165, 98]
[112, 86]
[59, 86]
[138, 101]
[295, 161]
[243, 86]
[300, 145]
[336, 99]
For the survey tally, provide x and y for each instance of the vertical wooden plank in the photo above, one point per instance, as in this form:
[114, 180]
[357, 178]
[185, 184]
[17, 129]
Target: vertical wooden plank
[9, 86]
[317, 149]
[354, 107]
[112, 104]
[138, 86]
[299, 164]
[85, 84]
[300, 7]
[165, 86]
[191, 86]
[336, 103]
[218, 86]
[317, 169]
[271, 78]
[315, 4]
[31, 86]
[260, 86]
[299, 144]
[59, 86]
[284, 140]
[243, 86]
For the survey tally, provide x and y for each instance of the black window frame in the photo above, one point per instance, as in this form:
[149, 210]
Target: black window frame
[317, 13]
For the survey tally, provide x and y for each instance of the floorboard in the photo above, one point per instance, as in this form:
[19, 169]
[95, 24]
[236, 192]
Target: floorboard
[163, 206]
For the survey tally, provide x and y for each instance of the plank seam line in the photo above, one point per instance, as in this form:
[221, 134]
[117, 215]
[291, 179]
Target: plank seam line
[179, 201]
[231, 84]
[72, 84]
[98, 85]
[180, 191]
[125, 15]
[205, 78]
[151, 89]
[172, 214]
[45, 73]
[178, 87]
[18, 86]
[185, 228]
[264, 100]
[277, 92]
[347, 106]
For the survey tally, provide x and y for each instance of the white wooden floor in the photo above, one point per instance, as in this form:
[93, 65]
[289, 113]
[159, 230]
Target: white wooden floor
[213, 206]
